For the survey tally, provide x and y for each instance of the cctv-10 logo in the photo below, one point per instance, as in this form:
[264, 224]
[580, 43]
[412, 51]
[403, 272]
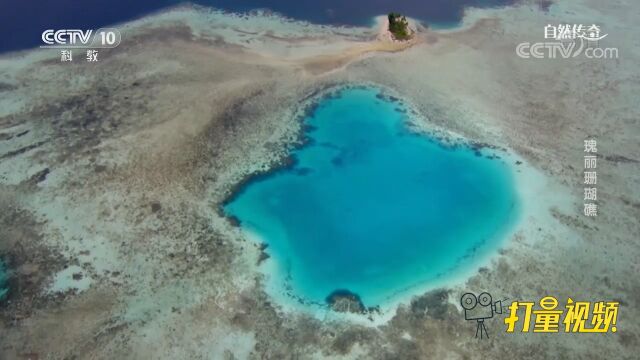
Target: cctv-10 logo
[547, 317]
[75, 38]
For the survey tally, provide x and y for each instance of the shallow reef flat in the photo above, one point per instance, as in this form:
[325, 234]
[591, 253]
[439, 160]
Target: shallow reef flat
[112, 177]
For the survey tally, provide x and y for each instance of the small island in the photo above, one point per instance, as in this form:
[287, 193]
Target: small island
[399, 27]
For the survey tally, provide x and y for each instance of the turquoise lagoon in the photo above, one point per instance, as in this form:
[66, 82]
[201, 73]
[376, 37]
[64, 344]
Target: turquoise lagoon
[373, 207]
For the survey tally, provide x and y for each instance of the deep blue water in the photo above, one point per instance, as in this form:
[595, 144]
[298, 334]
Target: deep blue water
[372, 207]
[22, 22]
[3, 280]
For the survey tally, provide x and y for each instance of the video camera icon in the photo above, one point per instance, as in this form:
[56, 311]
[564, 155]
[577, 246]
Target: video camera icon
[480, 308]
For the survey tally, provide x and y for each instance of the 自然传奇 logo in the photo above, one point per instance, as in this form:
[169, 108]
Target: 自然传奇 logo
[568, 41]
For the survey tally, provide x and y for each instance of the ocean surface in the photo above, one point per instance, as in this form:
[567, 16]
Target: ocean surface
[372, 207]
[22, 22]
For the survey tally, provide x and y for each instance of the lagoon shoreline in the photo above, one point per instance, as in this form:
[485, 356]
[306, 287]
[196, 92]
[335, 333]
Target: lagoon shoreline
[381, 312]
